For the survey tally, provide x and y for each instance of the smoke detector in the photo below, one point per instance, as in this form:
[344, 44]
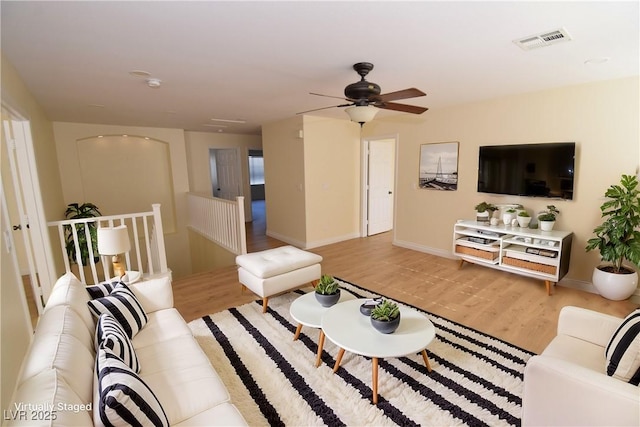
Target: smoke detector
[544, 39]
[154, 83]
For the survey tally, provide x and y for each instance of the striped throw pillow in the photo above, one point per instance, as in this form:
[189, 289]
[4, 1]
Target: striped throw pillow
[623, 350]
[101, 289]
[124, 306]
[124, 398]
[110, 334]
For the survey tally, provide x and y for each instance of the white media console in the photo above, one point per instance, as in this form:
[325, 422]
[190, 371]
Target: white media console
[535, 253]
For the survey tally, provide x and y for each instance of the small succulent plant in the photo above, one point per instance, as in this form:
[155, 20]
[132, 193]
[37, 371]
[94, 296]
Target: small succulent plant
[327, 285]
[385, 311]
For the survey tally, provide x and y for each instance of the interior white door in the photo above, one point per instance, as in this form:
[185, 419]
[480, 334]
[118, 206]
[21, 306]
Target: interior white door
[228, 171]
[24, 205]
[381, 179]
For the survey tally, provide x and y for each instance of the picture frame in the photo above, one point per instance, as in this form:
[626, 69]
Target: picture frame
[439, 166]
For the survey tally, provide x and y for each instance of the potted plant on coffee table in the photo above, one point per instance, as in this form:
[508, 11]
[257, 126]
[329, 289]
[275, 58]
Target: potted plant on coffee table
[484, 211]
[618, 239]
[385, 317]
[547, 218]
[327, 291]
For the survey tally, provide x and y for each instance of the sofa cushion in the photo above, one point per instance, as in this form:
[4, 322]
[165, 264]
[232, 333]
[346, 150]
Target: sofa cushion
[163, 325]
[178, 371]
[154, 294]
[48, 389]
[124, 306]
[124, 398]
[68, 290]
[224, 414]
[623, 350]
[109, 333]
[62, 342]
[578, 351]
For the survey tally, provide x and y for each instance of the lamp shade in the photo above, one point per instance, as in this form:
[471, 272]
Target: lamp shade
[362, 114]
[113, 240]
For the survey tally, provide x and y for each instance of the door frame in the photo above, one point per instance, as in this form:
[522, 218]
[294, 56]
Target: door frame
[364, 181]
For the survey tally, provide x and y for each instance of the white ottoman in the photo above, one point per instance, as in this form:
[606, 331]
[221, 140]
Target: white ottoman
[278, 270]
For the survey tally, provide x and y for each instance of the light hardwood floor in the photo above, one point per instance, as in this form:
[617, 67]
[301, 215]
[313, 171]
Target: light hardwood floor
[507, 306]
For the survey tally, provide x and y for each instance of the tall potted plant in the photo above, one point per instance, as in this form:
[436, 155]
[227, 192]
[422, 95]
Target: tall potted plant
[618, 239]
[76, 211]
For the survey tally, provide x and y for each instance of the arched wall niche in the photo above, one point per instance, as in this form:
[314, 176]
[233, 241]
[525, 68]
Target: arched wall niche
[127, 173]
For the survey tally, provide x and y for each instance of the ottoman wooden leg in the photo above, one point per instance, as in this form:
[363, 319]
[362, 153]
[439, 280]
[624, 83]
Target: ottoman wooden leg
[265, 301]
[242, 289]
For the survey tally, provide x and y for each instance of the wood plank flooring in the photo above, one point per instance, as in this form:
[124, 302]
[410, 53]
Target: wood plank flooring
[507, 306]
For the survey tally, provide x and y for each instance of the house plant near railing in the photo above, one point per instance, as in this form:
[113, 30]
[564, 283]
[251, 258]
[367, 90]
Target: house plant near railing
[547, 218]
[327, 291]
[76, 211]
[618, 239]
[385, 317]
[484, 211]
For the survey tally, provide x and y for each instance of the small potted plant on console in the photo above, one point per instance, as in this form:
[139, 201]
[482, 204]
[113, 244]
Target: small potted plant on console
[523, 219]
[484, 211]
[327, 291]
[547, 218]
[385, 317]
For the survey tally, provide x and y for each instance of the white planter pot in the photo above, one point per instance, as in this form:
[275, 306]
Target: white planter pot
[507, 218]
[615, 287]
[482, 216]
[546, 225]
[523, 221]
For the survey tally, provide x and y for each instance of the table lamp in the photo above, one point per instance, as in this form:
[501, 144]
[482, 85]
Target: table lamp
[114, 241]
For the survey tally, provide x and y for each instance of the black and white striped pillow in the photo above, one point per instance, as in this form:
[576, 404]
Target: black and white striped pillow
[623, 350]
[101, 289]
[124, 306]
[109, 334]
[124, 398]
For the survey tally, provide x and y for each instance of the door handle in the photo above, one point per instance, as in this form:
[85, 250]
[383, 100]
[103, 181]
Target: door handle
[390, 192]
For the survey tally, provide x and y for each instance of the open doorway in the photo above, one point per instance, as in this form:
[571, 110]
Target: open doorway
[256, 181]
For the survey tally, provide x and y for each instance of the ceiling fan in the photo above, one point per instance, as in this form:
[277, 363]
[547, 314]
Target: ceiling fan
[363, 95]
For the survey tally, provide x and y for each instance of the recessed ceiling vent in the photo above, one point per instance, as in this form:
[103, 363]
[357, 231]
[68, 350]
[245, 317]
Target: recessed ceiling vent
[544, 39]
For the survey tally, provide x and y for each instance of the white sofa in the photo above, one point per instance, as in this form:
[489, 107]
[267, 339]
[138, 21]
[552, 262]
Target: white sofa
[58, 373]
[567, 385]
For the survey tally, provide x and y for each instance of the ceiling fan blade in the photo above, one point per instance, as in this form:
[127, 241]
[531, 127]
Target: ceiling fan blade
[401, 94]
[413, 109]
[325, 108]
[329, 96]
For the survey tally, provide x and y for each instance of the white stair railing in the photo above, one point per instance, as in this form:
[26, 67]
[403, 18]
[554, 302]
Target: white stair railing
[219, 220]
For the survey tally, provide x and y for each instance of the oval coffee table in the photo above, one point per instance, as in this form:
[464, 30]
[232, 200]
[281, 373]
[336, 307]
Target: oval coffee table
[307, 311]
[346, 327]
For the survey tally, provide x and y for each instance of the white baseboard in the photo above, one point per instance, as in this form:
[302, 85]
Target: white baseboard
[426, 249]
[311, 245]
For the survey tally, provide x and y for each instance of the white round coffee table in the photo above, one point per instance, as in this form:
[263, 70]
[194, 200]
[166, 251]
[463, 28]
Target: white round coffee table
[307, 311]
[346, 327]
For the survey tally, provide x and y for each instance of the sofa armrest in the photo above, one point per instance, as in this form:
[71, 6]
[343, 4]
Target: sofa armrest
[154, 294]
[557, 392]
[587, 325]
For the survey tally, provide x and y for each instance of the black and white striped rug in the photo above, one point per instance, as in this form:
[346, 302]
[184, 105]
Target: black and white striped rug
[476, 379]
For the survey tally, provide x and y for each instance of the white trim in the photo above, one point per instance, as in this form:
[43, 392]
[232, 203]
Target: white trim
[315, 244]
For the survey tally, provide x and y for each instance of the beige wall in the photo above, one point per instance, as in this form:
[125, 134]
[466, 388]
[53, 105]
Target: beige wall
[68, 137]
[602, 118]
[198, 145]
[332, 177]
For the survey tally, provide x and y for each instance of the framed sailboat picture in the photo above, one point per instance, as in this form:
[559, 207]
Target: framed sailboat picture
[439, 166]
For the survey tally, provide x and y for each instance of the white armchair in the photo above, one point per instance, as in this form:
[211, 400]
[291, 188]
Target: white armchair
[567, 385]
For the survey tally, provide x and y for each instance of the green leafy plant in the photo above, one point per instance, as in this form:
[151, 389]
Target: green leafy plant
[524, 214]
[327, 285]
[484, 206]
[385, 311]
[618, 237]
[549, 214]
[510, 210]
[76, 211]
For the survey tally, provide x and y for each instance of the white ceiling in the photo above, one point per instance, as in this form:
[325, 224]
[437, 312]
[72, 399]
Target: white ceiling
[258, 61]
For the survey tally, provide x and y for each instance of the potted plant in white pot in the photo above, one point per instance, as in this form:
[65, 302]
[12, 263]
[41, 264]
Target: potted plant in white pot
[547, 218]
[484, 211]
[618, 239]
[327, 291]
[523, 219]
[508, 216]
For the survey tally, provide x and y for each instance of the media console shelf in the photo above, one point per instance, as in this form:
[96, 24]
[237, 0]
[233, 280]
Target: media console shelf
[539, 254]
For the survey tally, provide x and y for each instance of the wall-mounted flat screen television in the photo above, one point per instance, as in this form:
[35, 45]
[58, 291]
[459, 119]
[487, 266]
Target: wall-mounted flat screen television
[537, 170]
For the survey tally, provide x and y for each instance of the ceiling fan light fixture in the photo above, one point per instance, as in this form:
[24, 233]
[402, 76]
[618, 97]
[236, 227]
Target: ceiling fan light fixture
[362, 113]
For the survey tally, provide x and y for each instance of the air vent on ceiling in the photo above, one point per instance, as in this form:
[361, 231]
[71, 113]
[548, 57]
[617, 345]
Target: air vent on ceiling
[545, 39]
